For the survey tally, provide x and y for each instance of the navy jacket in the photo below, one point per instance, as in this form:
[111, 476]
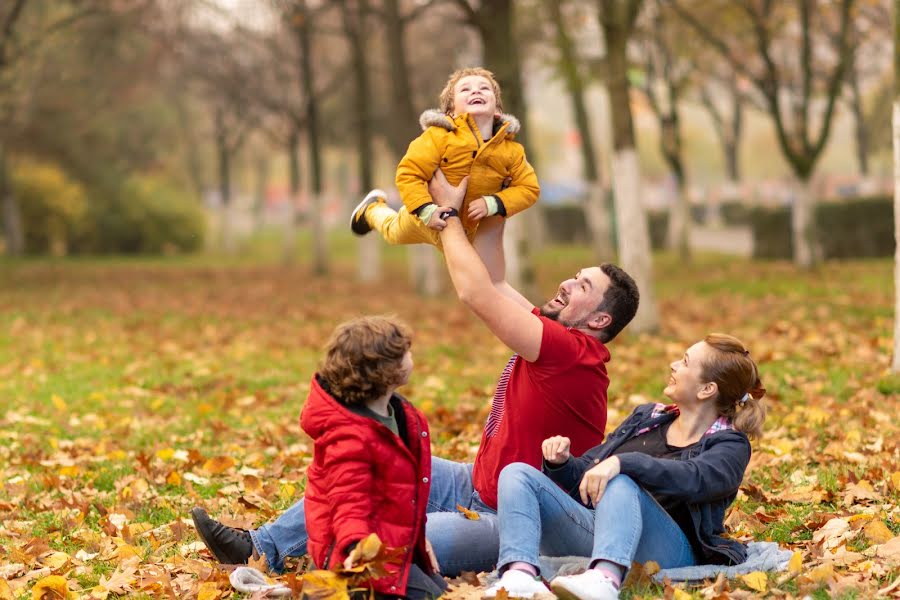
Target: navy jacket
[706, 477]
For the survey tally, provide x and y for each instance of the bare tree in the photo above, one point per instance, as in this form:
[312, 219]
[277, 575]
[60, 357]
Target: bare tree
[617, 19]
[570, 67]
[785, 66]
[895, 364]
[667, 67]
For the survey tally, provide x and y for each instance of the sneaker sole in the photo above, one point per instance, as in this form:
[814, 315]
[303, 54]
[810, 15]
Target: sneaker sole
[562, 592]
[370, 198]
[222, 559]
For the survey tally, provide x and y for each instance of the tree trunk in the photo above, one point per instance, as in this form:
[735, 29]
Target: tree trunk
[895, 365]
[803, 231]
[262, 182]
[595, 210]
[859, 121]
[617, 19]
[223, 161]
[320, 249]
[12, 217]
[289, 246]
[501, 55]
[369, 247]
[679, 231]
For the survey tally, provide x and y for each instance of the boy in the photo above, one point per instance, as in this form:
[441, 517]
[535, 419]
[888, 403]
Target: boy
[468, 136]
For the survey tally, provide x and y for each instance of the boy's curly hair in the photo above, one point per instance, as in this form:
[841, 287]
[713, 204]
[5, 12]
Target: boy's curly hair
[363, 358]
[447, 94]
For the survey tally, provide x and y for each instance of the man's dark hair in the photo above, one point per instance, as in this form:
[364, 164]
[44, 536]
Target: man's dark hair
[620, 300]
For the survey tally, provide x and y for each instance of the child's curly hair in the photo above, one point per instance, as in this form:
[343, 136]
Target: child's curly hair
[447, 94]
[364, 358]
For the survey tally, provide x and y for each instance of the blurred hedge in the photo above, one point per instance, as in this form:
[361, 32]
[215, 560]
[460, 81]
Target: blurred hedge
[566, 223]
[859, 228]
[139, 215]
[53, 207]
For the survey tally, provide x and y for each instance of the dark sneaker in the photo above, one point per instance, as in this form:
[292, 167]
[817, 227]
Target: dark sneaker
[358, 223]
[230, 545]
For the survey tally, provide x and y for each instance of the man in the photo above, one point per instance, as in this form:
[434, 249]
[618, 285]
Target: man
[554, 384]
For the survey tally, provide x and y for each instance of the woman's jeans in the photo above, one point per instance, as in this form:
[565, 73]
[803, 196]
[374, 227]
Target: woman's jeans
[460, 544]
[537, 517]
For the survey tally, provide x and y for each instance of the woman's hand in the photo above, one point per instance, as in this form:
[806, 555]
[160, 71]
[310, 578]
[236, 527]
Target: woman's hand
[432, 557]
[348, 562]
[556, 449]
[477, 209]
[595, 480]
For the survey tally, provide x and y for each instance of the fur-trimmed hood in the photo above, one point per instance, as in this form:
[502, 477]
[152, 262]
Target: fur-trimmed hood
[436, 118]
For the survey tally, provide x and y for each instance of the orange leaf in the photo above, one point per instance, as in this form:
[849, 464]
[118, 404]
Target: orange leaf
[218, 464]
[470, 514]
[52, 588]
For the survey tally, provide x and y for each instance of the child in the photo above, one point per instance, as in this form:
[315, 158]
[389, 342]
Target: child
[371, 456]
[468, 136]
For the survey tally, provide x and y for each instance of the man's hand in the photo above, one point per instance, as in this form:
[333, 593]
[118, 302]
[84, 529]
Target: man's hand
[445, 194]
[478, 209]
[595, 480]
[556, 449]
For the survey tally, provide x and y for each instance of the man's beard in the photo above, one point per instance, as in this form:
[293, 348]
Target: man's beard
[550, 313]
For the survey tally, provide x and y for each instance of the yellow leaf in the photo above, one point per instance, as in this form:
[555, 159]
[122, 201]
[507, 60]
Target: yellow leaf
[895, 481]
[651, 567]
[252, 484]
[165, 453]
[680, 594]
[470, 514]
[173, 478]
[821, 573]
[325, 585]
[756, 580]
[218, 464]
[877, 532]
[52, 588]
[5, 592]
[55, 560]
[98, 593]
[209, 590]
[205, 408]
[796, 563]
[69, 471]
[287, 491]
[58, 402]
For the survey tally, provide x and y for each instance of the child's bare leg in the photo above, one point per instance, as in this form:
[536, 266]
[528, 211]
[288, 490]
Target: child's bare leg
[488, 243]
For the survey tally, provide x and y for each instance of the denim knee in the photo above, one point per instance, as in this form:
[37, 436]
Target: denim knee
[621, 487]
[514, 476]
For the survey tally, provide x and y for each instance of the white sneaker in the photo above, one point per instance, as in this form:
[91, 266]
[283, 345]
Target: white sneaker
[518, 584]
[590, 585]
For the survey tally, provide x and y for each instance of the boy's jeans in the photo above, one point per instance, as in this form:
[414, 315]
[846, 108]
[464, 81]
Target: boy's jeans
[459, 543]
[537, 517]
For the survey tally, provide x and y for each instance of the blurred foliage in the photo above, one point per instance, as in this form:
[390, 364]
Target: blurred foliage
[54, 208]
[147, 215]
[859, 228]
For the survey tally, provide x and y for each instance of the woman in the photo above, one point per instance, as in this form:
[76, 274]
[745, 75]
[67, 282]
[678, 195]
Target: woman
[656, 489]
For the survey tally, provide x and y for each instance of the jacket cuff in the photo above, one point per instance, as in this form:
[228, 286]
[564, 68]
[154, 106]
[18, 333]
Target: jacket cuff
[425, 212]
[499, 207]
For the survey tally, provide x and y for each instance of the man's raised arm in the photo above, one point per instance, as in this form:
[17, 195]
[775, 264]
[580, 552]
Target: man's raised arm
[514, 324]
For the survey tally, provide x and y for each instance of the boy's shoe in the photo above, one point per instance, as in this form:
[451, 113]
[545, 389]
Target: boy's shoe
[518, 584]
[230, 545]
[358, 223]
[590, 585]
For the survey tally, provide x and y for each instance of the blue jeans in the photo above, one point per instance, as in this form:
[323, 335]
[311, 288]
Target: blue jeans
[460, 544]
[537, 517]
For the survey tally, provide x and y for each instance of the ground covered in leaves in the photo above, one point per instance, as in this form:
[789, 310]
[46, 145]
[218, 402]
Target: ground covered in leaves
[133, 391]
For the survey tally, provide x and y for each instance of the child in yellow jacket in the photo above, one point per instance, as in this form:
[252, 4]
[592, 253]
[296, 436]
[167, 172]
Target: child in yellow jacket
[468, 136]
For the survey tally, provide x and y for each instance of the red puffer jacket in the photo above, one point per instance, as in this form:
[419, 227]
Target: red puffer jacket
[364, 479]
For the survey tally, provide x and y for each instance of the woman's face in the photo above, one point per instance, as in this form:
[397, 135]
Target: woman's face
[406, 368]
[685, 378]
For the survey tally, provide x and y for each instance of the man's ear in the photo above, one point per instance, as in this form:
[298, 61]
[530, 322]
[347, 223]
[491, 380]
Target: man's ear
[601, 320]
[708, 390]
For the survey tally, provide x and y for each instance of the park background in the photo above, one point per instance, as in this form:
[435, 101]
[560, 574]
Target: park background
[176, 178]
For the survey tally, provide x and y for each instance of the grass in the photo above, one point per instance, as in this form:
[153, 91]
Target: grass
[141, 373]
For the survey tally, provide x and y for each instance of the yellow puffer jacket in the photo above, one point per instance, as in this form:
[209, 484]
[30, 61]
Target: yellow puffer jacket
[455, 146]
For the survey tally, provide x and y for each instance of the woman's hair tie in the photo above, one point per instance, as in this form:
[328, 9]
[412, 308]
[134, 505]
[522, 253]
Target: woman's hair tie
[744, 399]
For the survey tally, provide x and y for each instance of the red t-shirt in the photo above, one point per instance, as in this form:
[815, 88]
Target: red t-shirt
[563, 392]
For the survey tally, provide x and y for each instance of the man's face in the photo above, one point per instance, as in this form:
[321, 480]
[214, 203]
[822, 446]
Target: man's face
[576, 302]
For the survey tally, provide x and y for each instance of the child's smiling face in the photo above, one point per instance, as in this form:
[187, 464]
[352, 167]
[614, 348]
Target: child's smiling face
[474, 94]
